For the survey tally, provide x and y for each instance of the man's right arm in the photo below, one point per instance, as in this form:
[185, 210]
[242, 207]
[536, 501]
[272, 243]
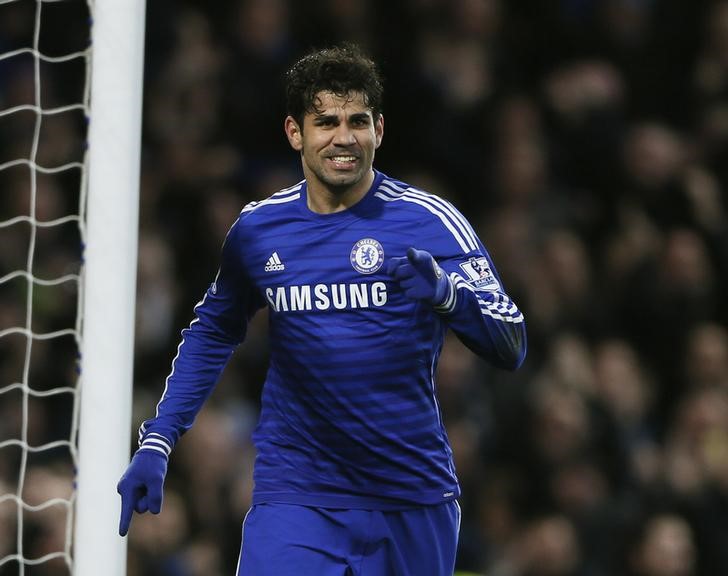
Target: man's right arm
[219, 326]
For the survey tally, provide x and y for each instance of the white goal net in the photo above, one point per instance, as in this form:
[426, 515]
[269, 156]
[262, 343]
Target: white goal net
[47, 123]
[43, 110]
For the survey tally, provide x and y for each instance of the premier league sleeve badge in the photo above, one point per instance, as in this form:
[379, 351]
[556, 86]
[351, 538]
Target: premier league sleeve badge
[478, 273]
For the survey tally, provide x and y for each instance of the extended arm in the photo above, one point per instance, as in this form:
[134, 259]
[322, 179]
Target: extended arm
[218, 327]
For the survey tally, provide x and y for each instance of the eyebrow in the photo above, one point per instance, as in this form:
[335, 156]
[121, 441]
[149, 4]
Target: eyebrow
[335, 118]
[325, 117]
[360, 116]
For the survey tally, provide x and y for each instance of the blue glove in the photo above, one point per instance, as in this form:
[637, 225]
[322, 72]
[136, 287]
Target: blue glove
[420, 277]
[141, 486]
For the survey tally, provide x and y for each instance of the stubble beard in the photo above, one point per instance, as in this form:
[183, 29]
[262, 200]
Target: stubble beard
[339, 184]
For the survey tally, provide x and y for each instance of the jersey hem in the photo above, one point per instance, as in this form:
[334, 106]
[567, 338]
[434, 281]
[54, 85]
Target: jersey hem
[355, 502]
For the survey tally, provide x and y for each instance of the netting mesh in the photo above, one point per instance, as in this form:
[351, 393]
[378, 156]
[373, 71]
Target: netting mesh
[44, 98]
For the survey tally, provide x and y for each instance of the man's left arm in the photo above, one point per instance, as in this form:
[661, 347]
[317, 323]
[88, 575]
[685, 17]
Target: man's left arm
[467, 292]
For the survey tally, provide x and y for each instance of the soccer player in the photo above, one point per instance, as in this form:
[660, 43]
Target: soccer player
[362, 275]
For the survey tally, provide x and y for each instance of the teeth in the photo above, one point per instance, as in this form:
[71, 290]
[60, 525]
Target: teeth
[343, 158]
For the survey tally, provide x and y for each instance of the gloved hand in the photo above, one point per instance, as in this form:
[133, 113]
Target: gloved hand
[420, 277]
[141, 486]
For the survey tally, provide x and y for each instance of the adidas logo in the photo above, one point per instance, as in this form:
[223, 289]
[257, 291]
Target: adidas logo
[274, 264]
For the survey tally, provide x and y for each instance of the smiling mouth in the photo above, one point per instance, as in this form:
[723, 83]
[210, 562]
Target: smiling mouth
[343, 159]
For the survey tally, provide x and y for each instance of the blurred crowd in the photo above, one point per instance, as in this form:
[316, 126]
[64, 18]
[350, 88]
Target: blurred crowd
[586, 141]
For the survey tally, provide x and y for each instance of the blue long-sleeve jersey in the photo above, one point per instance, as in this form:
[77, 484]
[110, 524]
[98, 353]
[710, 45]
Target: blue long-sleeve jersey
[349, 416]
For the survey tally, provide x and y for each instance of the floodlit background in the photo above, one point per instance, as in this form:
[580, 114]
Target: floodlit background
[587, 143]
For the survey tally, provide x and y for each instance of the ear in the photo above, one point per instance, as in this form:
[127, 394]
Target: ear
[378, 131]
[294, 133]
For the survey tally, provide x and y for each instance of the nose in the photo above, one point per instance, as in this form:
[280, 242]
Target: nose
[344, 135]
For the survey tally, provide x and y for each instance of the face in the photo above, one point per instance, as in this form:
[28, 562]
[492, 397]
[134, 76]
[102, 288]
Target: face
[337, 144]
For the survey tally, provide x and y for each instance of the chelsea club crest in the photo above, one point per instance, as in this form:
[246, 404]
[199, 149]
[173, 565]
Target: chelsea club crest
[367, 256]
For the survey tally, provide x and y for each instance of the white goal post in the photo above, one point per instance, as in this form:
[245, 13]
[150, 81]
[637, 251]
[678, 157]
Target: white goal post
[117, 56]
[71, 85]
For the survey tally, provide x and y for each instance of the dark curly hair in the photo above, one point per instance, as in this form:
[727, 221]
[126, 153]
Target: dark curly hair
[340, 70]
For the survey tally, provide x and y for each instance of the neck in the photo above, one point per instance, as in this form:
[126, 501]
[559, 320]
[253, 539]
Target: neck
[325, 199]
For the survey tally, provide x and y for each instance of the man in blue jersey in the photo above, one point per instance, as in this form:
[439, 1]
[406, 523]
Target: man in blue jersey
[362, 275]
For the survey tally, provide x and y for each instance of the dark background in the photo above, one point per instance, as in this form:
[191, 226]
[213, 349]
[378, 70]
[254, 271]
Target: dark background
[587, 143]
